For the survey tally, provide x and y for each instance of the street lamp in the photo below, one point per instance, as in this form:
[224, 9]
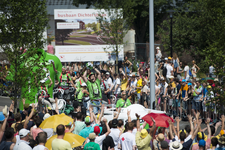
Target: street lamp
[171, 31]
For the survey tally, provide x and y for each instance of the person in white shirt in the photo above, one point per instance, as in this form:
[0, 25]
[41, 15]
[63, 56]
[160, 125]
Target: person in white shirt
[169, 70]
[116, 85]
[127, 139]
[115, 133]
[186, 72]
[23, 144]
[109, 80]
[132, 89]
[42, 139]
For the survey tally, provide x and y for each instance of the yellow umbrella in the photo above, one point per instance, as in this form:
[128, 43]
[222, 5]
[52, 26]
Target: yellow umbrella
[55, 120]
[74, 140]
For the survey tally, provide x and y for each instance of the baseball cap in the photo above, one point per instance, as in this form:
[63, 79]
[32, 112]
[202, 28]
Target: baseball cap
[209, 87]
[83, 84]
[144, 133]
[87, 119]
[96, 130]
[92, 136]
[169, 58]
[183, 80]
[201, 143]
[114, 122]
[23, 133]
[166, 58]
[189, 84]
[164, 145]
[107, 73]
[157, 47]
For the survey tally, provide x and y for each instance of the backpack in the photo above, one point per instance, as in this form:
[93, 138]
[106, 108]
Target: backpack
[164, 71]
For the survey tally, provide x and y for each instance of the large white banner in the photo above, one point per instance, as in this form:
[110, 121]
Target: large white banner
[87, 53]
[77, 36]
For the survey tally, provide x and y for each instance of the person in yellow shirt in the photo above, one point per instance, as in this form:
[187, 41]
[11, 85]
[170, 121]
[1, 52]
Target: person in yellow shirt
[124, 80]
[139, 87]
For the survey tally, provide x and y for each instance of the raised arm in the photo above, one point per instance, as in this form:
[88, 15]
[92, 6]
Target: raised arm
[107, 126]
[28, 118]
[85, 76]
[138, 122]
[98, 72]
[178, 124]
[191, 124]
[56, 106]
[222, 121]
[3, 127]
[118, 113]
[208, 128]
[152, 128]
[101, 115]
[170, 128]
[196, 130]
[128, 115]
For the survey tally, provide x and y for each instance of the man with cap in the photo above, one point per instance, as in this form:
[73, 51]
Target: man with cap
[92, 145]
[142, 137]
[115, 133]
[183, 92]
[23, 144]
[87, 130]
[94, 88]
[59, 143]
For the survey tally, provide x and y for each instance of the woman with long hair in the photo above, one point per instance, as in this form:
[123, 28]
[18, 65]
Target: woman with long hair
[194, 69]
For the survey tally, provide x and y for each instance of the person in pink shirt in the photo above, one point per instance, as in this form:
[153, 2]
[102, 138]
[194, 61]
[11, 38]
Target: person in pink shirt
[50, 48]
[35, 131]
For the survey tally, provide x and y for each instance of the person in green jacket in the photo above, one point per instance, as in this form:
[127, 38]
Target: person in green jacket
[120, 102]
[94, 88]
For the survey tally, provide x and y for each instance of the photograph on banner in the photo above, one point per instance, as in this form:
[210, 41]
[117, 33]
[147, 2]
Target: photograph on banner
[88, 53]
[78, 26]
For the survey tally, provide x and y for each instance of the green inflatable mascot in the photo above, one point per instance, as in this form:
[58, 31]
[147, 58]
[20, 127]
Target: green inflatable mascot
[53, 72]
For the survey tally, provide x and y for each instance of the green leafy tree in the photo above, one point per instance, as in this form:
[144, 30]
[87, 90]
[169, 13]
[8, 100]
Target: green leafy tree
[113, 29]
[22, 24]
[198, 28]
